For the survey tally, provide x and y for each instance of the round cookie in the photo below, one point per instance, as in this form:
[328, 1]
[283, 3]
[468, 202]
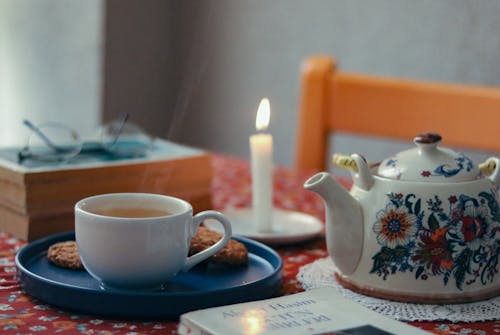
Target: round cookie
[234, 253]
[65, 255]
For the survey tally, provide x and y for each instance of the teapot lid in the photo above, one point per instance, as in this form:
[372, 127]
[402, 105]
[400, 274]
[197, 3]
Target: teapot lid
[429, 163]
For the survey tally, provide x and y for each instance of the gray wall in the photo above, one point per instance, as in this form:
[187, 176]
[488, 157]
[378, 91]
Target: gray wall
[240, 51]
[139, 62]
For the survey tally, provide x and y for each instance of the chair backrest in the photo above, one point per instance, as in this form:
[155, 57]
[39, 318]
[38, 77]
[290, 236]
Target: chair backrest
[335, 101]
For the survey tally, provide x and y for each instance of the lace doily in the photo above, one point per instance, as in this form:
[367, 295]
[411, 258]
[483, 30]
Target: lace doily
[321, 274]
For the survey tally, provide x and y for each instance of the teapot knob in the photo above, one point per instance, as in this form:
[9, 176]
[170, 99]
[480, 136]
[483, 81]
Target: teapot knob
[427, 141]
[427, 138]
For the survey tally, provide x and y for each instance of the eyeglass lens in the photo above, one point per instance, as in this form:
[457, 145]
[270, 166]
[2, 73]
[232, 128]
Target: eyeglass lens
[51, 142]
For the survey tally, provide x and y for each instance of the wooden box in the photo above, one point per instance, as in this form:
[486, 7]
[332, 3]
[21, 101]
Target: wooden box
[36, 201]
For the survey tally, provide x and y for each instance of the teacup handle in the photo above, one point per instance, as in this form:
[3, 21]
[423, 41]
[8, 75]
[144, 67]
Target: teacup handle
[202, 255]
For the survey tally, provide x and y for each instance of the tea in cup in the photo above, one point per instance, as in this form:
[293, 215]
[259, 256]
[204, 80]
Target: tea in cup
[139, 240]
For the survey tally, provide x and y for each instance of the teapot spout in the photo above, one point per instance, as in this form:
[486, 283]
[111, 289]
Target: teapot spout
[344, 221]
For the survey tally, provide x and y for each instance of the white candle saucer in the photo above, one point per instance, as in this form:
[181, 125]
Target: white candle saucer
[287, 226]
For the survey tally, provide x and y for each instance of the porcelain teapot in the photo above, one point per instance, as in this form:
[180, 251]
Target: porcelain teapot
[421, 226]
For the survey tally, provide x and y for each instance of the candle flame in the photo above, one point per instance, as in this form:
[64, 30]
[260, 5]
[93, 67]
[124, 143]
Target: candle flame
[263, 115]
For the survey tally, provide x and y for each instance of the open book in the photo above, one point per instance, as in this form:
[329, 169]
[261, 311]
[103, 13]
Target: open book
[319, 311]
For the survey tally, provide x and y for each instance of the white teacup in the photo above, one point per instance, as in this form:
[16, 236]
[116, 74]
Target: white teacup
[139, 240]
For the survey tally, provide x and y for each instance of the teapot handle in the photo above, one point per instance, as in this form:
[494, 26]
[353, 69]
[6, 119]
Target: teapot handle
[491, 168]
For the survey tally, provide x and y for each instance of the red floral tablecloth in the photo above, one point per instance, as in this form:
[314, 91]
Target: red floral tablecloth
[21, 314]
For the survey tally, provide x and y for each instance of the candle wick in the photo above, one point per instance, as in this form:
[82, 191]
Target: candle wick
[262, 130]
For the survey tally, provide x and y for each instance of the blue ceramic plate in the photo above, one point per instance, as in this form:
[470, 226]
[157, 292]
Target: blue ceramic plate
[202, 287]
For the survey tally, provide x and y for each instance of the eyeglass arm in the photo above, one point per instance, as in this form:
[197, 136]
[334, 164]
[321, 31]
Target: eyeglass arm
[123, 120]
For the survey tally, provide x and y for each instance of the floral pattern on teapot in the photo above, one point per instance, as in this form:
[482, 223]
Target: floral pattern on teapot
[458, 240]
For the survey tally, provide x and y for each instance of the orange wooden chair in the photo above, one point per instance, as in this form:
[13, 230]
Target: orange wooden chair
[335, 101]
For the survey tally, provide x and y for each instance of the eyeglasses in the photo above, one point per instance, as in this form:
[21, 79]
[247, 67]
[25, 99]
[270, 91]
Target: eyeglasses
[54, 142]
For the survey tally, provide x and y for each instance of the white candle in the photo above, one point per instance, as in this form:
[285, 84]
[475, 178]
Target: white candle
[261, 147]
